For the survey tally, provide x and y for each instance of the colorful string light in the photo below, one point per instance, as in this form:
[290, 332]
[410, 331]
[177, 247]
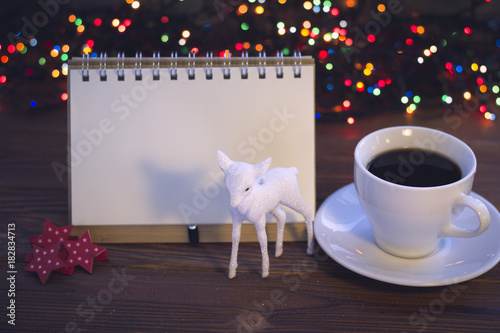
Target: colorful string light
[325, 31]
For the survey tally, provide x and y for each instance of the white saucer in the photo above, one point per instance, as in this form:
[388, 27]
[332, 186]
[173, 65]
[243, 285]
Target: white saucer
[344, 233]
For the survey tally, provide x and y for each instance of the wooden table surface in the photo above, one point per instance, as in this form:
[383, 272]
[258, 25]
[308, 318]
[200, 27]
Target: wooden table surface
[184, 288]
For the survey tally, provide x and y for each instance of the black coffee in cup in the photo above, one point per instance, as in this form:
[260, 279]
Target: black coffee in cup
[415, 167]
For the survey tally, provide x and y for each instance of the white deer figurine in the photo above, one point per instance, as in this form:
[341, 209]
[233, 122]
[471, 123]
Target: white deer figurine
[254, 191]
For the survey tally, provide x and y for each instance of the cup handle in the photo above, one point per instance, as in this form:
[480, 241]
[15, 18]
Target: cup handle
[479, 208]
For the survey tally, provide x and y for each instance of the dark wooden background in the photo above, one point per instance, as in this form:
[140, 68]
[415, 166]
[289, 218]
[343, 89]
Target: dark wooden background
[184, 288]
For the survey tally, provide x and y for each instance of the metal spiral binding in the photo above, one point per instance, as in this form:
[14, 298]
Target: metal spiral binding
[156, 66]
[262, 65]
[279, 65]
[138, 69]
[85, 71]
[226, 70]
[297, 73]
[209, 66]
[102, 67]
[191, 67]
[244, 65]
[120, 71]
[173, 68]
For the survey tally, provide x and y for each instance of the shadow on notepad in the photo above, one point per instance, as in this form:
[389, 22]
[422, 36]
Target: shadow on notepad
[185, 197]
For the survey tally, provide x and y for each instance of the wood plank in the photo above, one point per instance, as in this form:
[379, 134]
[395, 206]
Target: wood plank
[179, 287]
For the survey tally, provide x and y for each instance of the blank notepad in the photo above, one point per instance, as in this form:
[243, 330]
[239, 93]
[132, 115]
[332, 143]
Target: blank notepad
[144, 133]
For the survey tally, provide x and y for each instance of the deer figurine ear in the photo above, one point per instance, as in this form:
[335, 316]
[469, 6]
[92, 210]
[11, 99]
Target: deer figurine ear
[224, 161]
[261, 168]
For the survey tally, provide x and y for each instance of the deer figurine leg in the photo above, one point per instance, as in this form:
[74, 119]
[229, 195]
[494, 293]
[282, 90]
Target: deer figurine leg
[280, 216]
[308, 216]
[300, 207]
[233, 264]
[309, 226]
[260, 226]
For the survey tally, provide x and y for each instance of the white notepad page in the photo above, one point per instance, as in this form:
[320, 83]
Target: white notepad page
[144, 152]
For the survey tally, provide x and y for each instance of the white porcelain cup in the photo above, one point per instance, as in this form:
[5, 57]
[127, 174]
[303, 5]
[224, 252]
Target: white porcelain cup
[409, 221]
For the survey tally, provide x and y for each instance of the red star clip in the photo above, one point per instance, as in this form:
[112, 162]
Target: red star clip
[82, 252]
[52, 235]
[44, 261]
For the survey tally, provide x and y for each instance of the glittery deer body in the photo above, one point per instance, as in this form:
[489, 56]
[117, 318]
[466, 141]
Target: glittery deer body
[255, 191]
